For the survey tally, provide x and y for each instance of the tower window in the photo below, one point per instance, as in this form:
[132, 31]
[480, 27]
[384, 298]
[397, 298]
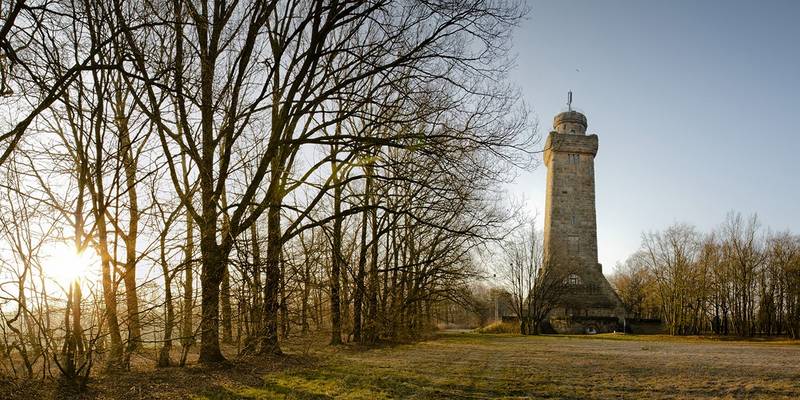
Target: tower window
[574, 158]
[573, 220]
[573, 280]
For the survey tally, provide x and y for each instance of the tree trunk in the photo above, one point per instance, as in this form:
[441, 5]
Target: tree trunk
[77, 330]
[187, 329]
[284, 301]
[211, 273]
[169, 320]
[99, 208]
[256, 302]
[358, 299]
[372, 328]
[129, 270]
[304, 306]
[225, 299]
[344, 302]
[336, 262]
[109, 293]
[269, 339]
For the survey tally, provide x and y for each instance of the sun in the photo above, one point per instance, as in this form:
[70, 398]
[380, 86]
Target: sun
[64, 264]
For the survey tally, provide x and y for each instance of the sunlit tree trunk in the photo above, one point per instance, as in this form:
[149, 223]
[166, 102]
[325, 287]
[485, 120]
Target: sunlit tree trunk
[129, 268]
[99, 209]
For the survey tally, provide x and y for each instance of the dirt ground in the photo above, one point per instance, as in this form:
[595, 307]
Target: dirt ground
[459, 365]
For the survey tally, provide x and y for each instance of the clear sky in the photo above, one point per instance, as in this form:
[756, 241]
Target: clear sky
[695, 104]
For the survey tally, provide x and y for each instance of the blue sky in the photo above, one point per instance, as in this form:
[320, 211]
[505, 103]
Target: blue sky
[695, 104]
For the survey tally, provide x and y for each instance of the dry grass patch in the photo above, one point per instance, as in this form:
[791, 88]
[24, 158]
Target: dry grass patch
[475, 366]
[499, 327]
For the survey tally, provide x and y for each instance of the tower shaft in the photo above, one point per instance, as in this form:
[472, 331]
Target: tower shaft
[570, 228]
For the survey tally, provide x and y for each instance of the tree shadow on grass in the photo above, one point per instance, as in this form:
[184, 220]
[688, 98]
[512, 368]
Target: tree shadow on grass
[226, 393]
[223, 381]
[359, 381]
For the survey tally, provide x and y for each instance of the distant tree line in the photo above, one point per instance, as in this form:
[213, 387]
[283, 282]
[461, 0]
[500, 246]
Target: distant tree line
[739, 279]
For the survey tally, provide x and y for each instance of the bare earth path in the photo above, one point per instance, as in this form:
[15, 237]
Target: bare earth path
[472, 366]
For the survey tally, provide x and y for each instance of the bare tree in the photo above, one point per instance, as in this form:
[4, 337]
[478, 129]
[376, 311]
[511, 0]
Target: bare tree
[671, 258]
[634, 284]
[535, 287]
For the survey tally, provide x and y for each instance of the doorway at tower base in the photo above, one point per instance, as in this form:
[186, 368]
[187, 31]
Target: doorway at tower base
[580, 325]
[586, 320]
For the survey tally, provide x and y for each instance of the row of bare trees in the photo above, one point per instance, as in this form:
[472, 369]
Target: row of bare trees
[242, 171]
[531, 282]
[737, 280]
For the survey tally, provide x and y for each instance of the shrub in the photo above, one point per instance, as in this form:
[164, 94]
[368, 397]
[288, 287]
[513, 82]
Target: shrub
[499, 327]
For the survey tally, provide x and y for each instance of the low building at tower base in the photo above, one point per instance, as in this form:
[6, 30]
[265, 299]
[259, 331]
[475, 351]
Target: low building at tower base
[576, 325]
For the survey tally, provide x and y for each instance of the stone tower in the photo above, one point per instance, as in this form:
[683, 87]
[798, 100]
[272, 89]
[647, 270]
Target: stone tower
[570, 230]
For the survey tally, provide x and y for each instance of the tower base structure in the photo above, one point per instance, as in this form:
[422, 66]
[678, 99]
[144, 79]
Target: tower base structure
[591, 306]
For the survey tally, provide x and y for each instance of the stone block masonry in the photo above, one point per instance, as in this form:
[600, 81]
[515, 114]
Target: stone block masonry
[570, 229]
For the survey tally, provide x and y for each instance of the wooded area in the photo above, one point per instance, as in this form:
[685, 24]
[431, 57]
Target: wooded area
[737, 280]
[240, 171]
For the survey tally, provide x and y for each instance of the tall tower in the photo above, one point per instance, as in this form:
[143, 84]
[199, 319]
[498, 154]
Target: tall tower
[570, 229]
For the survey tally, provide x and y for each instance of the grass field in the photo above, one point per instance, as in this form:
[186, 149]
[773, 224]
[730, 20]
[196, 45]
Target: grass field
[458, 365]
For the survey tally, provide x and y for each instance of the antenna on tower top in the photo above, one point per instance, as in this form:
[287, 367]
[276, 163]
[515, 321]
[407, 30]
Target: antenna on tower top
[569, 100]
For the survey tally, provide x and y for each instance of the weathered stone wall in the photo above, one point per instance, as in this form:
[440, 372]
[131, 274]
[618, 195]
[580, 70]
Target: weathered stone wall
[570, 223]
